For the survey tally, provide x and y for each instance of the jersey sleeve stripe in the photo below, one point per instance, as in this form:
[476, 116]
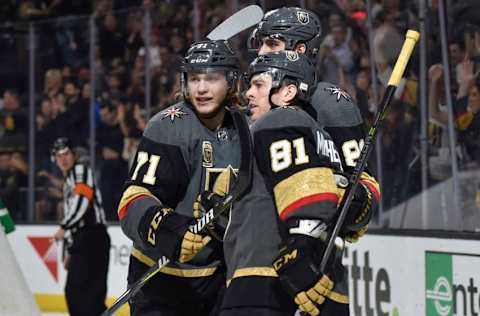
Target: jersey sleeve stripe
[306, 183]
[321, 197]
[131, 194]
[84, 190]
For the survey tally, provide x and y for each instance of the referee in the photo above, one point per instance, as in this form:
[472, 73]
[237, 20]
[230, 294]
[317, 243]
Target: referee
[84, 220]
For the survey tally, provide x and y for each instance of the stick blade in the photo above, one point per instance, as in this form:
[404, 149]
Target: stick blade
[243, 19]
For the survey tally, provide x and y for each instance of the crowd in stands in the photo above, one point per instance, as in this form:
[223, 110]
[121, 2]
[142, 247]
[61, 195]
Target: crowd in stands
[63, 85]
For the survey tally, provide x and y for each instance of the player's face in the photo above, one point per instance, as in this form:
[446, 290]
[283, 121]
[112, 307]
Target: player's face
[65, 160]
[271, 45]
[207, 92]
[258, 95]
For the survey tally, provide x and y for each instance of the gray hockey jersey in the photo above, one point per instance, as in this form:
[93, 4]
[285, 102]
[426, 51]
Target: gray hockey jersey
[177, 159]
[336, 112]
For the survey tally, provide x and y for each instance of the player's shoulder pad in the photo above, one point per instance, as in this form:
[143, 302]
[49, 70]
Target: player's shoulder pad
[334, 106]
[172, 125]
[284, 117]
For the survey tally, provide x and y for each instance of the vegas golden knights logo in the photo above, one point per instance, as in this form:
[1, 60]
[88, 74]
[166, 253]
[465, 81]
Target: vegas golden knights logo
[303, 17]
[207, 154]
[219, 180]
[291, 55]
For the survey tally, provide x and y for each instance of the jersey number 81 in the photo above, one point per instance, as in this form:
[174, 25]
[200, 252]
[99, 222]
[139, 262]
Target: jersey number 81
[281, 153]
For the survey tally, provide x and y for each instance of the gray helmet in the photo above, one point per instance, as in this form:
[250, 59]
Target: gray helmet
[287, 65]
[292, 25]
[208, 56]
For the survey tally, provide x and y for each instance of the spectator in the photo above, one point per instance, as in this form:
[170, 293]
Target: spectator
[13, 119]
[468, 110]
[134, 35]
[53, 83]
[13, 178]
[111, 39]
[336, 54]
[113, 169]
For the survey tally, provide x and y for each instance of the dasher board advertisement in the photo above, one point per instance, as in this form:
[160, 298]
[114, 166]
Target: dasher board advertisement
[405, 276]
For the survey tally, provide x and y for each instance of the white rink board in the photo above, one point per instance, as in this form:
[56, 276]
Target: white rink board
[388, 274]
[40, 259]
[391, 275]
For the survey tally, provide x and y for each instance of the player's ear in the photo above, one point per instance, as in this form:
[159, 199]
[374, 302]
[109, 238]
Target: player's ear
[290, 92]
[301, 48]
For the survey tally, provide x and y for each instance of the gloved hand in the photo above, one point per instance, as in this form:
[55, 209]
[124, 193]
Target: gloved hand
[205, 201]
[168, 232]
[354, 236]
[297, 267]
[360, 210]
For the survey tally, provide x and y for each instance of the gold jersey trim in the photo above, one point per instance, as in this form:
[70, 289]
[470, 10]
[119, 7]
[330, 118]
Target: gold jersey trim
[253, 271]
[183, 273]
[303, 184]
[270, 272]
[133, 192]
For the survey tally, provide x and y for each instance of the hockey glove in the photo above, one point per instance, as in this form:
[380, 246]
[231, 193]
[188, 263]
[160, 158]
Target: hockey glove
[167, 231]
[359, 214]
[204, 203]
[360, 210]
[297, 268]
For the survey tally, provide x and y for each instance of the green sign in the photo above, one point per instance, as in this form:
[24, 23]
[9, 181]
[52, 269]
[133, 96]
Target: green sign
[439, 281]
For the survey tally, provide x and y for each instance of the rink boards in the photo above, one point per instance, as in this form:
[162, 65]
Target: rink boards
[389, 275]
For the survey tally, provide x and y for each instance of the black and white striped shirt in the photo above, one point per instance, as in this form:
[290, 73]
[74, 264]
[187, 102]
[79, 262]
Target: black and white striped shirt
[82, 200]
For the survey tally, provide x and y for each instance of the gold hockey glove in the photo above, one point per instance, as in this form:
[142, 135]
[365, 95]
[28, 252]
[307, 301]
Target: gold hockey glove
[191, 245]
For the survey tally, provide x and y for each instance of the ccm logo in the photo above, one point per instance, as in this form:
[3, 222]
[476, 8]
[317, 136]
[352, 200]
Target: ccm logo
[280, 262]
[157, 218]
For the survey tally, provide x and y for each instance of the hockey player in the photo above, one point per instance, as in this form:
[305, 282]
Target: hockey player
[84, 220]
[273, 245]
[183, 151]
[298, 29]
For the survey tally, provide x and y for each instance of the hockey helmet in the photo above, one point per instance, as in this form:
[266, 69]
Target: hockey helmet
[60, 146]
[207, 56]
[287, 65]
[292, 25]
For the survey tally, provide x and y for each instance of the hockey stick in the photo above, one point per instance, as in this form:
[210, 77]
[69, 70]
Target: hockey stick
[241, 186]
[395, 77]
[241, 20]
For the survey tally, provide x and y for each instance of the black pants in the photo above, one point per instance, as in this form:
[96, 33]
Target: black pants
[330, 308]
[86, 286]
[167, 295]
[264, 296]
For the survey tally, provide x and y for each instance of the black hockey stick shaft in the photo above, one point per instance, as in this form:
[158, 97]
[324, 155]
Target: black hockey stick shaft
[396, 76]
[241, 186]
